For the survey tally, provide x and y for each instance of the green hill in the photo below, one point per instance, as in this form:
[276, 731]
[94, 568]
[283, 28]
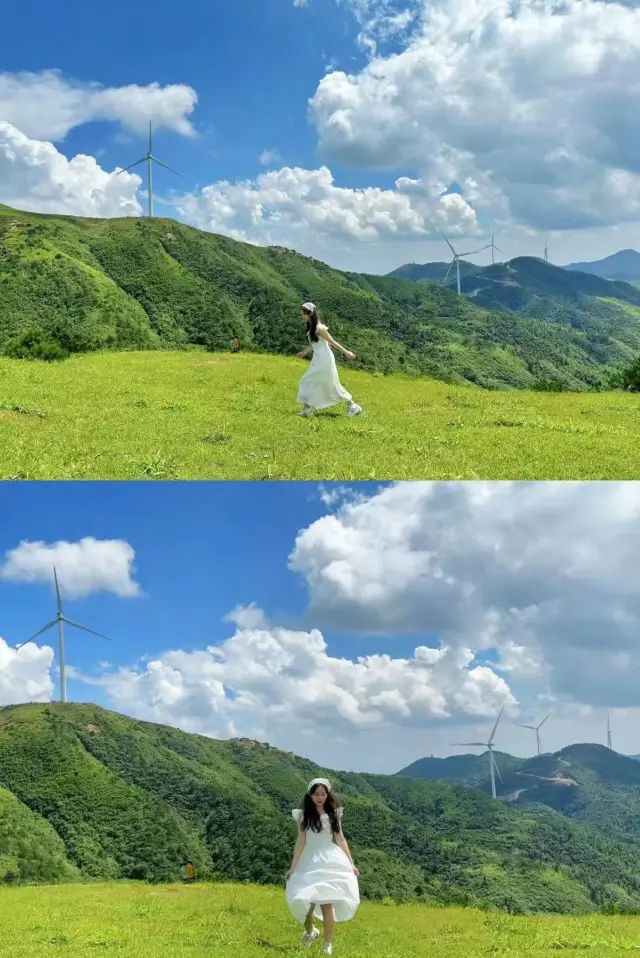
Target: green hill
[586, 783]
[623, 265]
[431, 272]
[128, 799]
[151, 284]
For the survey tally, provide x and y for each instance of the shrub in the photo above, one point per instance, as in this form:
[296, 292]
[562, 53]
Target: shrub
[35, 343]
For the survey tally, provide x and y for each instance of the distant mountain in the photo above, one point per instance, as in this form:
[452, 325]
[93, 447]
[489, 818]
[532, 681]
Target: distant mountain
[467, 770]
[89, 794]
[624, 265]
[432, 271]
[605, 312]
[587, 783]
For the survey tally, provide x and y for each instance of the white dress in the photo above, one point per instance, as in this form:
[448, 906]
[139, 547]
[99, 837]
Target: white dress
[320, 386]
[324, 875]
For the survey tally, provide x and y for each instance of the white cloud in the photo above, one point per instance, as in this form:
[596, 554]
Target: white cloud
[544, 573]
[276, 683]
[269, 157]
[47, 105]
[293, 206]
[35, 176]
[83, 567]
[25, 675]
[529, 104]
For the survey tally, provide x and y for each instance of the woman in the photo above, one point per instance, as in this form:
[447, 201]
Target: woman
[320, 386]
[322, 881]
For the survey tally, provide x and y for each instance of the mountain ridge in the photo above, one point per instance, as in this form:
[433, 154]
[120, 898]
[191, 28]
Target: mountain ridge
[584, 782]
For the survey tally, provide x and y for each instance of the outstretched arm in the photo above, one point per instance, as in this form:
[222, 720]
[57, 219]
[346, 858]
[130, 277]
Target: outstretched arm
[304, 352]
[324, 334]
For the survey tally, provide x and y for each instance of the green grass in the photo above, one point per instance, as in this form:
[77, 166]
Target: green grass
[196, 415]
[243, 921]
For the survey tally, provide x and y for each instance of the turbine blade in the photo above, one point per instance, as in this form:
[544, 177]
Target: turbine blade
[448, 243]
[160, 163]
[46, 628]
[76, 625]
[532, 727]
[498, 250]
[446, 275]
[472, 252]
[58, 597]
[496, 725]
[495, 765]
[149, 136]
[545, 719]
[127, 168]
[475, 744]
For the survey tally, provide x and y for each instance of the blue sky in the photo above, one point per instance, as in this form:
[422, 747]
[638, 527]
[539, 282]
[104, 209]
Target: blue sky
[434, 609]
[254, 65]
[201, 549]
[407, 98]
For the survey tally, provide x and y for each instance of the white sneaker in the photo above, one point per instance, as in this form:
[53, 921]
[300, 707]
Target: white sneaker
[327, 950]
[354, 410]
[309, 937]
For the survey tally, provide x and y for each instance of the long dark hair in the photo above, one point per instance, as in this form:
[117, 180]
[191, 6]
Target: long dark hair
[311, 816]
[312, 324]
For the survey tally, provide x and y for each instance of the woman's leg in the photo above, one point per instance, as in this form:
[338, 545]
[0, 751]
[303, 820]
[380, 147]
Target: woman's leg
[328, 919]
[308, 925]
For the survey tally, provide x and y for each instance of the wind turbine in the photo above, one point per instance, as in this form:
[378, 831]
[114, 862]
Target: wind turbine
[494, 249]
[609, 734]
[456, 260]
[59, 620]
[546, 252]
[493, 765]
[536, 729]
[149, 159]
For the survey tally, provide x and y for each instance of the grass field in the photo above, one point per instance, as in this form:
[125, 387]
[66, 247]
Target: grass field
[195, 415]
[138, 921]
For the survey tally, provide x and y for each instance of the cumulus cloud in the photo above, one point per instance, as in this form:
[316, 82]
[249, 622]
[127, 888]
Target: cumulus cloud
[542, 573]
[293, 205]
[47, 105]
[529, 104]
[35, 176]
[83, 567]
[274, 682]
[25, 675]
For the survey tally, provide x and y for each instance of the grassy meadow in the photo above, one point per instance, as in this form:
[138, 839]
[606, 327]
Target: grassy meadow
[244, 921]
[196, 415]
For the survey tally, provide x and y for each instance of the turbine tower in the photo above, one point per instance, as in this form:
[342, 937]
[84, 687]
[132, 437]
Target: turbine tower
[59, 620]
[493, 765]
[456, 260]
[536, 729]
[149, 159]
[494, 249]
[609, 734]
[546, 252]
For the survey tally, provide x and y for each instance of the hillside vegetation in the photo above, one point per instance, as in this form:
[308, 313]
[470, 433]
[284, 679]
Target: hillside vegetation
[586, 783]
[244, 921]
[151, 284]
[131, 800]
